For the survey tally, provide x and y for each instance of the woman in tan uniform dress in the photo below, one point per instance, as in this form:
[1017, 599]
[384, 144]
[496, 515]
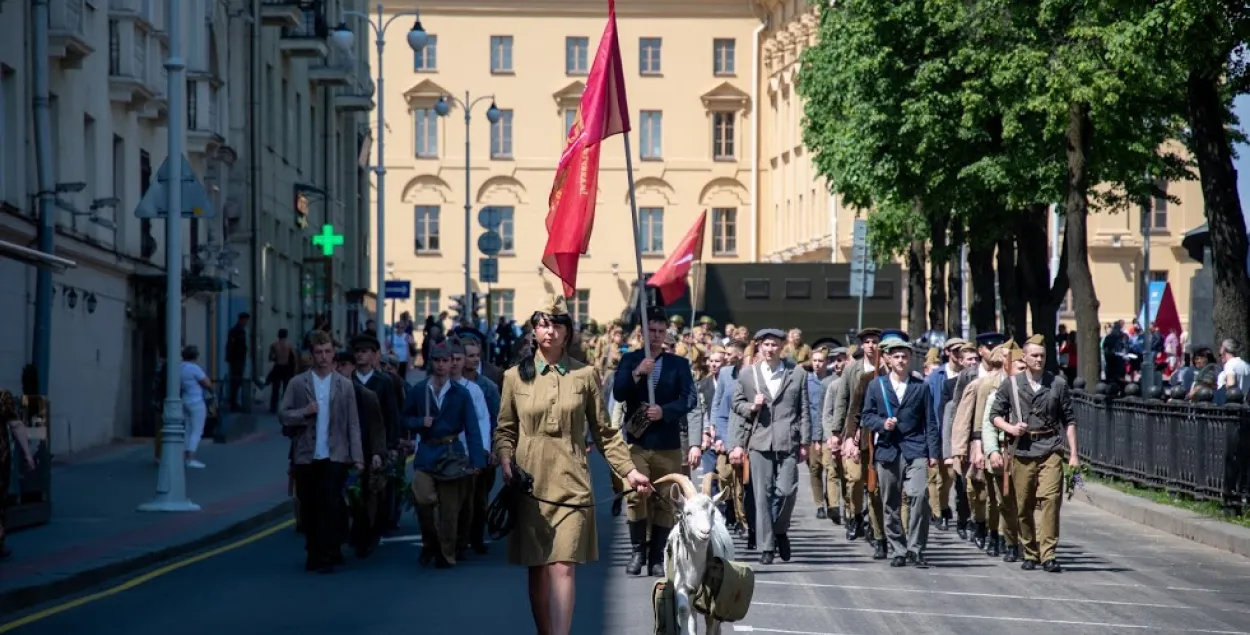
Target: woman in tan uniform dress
[549, 402]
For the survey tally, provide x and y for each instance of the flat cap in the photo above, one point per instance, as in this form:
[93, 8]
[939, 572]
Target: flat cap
[897, 334]
[990, 340]
[365, 341]
[891, 344]
[766, 333]
[955, 343]
[344, 357]
[839, 351]
[868, 332]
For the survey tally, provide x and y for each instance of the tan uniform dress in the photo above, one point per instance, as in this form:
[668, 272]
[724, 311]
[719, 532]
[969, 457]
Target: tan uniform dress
[542, 427]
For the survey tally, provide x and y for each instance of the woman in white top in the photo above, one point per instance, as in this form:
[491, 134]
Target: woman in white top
[400, 341]
[194, 411]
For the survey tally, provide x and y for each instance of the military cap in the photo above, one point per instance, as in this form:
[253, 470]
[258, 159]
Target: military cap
[677, 319]
[440, 350]
[990, 340]
[891, 344]
[454, 347]
[897, 334]
[766, 333]
[839, 351]
[365, 341]
[554, 306]
[344, 357]
[707, 321]
[955, 343]
[868, 332]
[1037, 339]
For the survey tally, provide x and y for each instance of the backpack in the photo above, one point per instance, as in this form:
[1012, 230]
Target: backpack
[726, 590]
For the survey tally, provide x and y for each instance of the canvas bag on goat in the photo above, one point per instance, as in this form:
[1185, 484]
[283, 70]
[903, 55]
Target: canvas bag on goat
[726, 590]
[664, 601]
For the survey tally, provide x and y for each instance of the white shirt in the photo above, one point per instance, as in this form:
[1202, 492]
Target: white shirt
[1033, 385]
[399, 346]
[479, 408]
[190, 376]
[900, 387]
[1238, 370]
[321, 389]
[773, 377]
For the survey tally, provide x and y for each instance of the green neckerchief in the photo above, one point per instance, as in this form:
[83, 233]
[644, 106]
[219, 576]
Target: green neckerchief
[541, 366]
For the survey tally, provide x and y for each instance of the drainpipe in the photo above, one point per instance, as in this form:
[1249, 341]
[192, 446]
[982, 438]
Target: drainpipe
[254, 151]
[47, 196]
[755, 140]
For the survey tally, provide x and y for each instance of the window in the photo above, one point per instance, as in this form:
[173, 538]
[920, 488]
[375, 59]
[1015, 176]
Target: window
[724, 231]
[579, 306]
[570, 117]
[426, 60]
[425, 129]
[507, 230]
[115, 49]
[501, 54]
[10, 150]
[501, 136]
[425, 228]
[271, 117]
[723, 135]
[286, 121]
[1159, 215]
[576, 55]
[723, 57]
[651, 224]
[652, 134]
[649, 56]
[502, 304]
[1158, 276]
[427, 301]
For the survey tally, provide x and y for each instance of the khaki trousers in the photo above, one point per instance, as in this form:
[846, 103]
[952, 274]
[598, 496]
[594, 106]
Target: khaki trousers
[826, 488]
[1039, 484]
[440, 507]
[1008, 519]
[983, 498]
[731, 479]
[941, 478]
[657, 508]
[856, 478]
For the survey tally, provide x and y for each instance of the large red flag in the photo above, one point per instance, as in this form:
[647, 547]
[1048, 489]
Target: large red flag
[670, 278]
[571, 206]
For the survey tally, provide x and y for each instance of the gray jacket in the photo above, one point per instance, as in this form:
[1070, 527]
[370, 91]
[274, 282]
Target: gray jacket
[783, 423]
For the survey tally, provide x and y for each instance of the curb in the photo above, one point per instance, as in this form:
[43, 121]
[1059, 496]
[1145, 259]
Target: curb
[20, 600]
[1178, 522]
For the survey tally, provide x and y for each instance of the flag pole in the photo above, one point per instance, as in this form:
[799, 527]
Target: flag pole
[642, 283]
[694, 290]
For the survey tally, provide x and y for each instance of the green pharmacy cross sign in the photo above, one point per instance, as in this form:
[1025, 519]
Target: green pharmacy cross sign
[327, 240]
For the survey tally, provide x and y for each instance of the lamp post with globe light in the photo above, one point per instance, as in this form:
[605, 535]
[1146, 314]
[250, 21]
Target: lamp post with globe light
[344, 39]
[443, 108]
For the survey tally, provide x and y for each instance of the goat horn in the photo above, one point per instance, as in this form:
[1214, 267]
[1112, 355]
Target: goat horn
[707, 483]
[682, 480]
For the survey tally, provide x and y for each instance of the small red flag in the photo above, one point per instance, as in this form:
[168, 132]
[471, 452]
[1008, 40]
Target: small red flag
[602, 113]
[670, 278]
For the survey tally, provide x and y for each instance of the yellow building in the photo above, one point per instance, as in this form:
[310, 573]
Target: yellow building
[689, 84]
[800, 221]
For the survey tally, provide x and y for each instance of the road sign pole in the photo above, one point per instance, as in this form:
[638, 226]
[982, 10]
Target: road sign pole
[171, 485]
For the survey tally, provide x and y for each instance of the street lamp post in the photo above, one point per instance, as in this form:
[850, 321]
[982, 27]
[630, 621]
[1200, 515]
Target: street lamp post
[343, 38]
[443, 108]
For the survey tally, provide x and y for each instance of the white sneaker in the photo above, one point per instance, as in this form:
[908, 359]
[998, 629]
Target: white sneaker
[192, 463]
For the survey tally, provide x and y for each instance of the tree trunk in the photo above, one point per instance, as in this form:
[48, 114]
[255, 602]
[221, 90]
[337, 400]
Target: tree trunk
[938, 256]
[1015, 326]
[981, 312]
[1227, 226]
[955, 280]
[1034, 266]
[917, 300]
[1076, 207]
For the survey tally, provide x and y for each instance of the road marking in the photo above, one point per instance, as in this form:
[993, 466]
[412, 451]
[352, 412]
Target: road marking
[390, 539]
[143, 579]
[999, 618]
[740, 628]
[999, 596]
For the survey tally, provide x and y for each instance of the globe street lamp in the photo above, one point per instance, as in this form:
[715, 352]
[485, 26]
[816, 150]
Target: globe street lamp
[344, 39]
[442, 109]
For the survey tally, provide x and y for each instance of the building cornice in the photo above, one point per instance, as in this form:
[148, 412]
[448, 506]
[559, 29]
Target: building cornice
[579, 8]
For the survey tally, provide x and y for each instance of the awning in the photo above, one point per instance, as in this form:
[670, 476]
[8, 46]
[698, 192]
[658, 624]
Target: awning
[35, 257]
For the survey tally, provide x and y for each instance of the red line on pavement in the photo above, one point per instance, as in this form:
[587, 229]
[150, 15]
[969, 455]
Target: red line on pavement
[151, 535]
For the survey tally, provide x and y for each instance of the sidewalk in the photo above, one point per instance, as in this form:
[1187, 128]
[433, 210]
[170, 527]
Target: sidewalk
[1173, 520]
[96, 534]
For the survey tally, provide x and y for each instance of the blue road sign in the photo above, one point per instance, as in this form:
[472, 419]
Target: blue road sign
[490, 243]
[488, 270]
[398, 289]
[490, 218]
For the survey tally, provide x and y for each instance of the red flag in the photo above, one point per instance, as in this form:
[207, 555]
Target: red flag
[601, 114]
[670, 278]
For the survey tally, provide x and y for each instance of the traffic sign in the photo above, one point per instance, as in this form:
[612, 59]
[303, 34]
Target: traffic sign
[195, 203]
[397, 289]
[490, 217]
[327, 240]
[490, 243]
[488, 270]
[863, 280]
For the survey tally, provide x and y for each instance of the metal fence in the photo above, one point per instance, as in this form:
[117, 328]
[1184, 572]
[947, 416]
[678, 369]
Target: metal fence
[1193, 448]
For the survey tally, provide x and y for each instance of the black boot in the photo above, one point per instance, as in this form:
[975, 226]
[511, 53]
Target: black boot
[835, 515]
[852, 528]
[1011, 553]
[821, 513]
[944, 523]
[879, 551]
[993, 546]
[750, 538]
[637, 539]
[655, 556]
[978, 535]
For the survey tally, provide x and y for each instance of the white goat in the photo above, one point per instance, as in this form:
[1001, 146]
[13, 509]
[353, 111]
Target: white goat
[700, 525]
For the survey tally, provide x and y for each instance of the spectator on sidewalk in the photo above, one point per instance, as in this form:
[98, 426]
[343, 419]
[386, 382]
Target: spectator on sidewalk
[236, 358]
[320, 406]
[12, 435]
[284, 362]
[194, 410]
[1236, 372]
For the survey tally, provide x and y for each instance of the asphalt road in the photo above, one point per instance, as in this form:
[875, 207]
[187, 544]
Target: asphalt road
[1119, 578]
